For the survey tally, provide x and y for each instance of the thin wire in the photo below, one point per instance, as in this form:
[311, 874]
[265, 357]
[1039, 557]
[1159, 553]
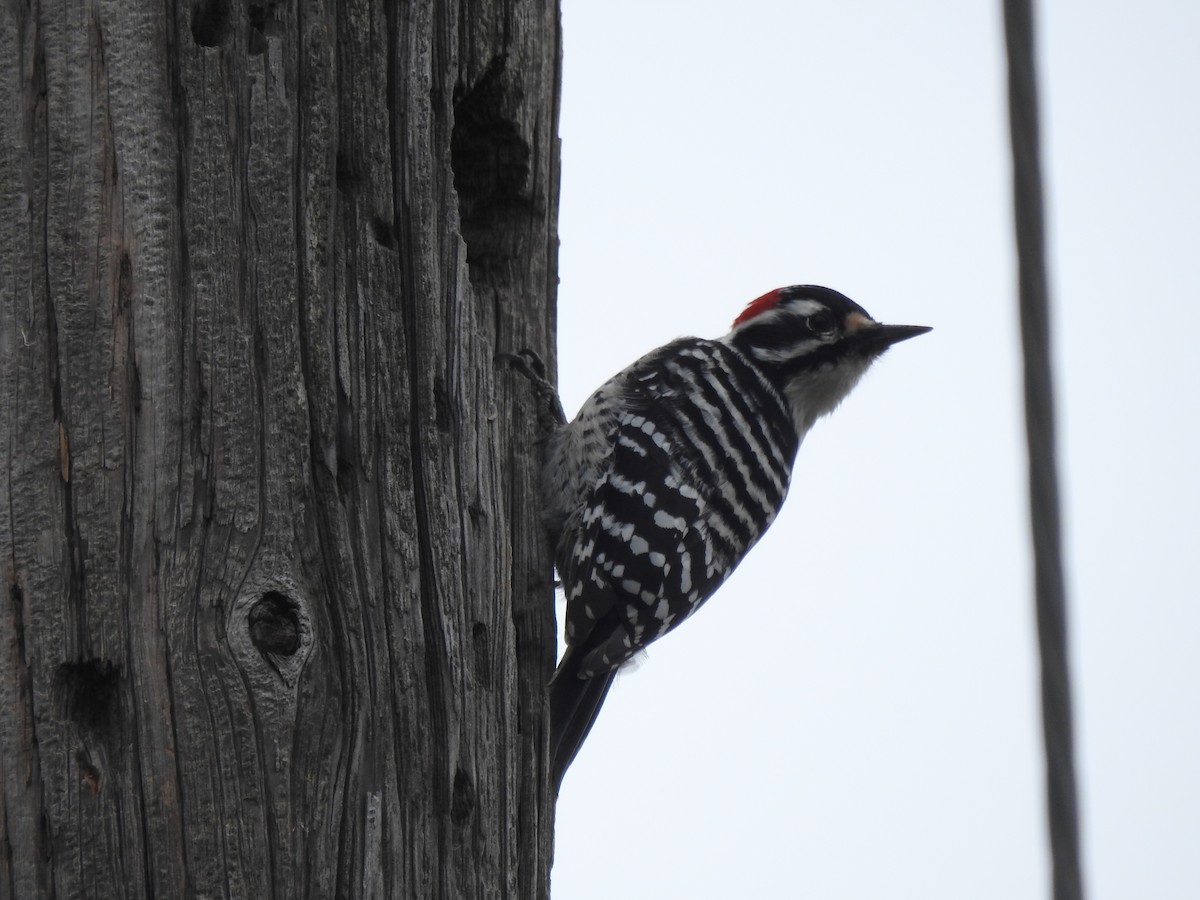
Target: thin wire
[1039, 427]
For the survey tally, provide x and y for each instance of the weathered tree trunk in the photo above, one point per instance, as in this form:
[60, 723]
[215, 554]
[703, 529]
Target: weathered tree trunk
[277, 617]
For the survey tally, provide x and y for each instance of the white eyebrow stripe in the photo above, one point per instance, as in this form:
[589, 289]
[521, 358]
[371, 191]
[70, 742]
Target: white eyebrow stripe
[785, 308]
[803, 307]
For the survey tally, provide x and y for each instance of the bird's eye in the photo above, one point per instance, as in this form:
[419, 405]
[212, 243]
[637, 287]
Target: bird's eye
[822, 324]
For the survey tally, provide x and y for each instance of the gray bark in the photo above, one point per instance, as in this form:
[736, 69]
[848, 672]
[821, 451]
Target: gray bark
[277, 616]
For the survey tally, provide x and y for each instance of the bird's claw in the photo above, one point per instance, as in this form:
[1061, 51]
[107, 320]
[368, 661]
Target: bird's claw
[527, 363]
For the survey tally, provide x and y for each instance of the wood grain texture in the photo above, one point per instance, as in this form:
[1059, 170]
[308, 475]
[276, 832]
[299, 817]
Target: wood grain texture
[278, 612]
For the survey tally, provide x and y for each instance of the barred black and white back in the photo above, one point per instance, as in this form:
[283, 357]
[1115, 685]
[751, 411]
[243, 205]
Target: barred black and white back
[673, 470]
[700, 453]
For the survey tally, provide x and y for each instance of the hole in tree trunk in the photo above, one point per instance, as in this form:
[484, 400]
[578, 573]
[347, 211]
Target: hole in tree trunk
[490, 159]
[87, 692]
[210, 22]
[274, 624]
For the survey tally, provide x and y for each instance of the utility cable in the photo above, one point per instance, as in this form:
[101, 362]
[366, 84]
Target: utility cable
[1039, 427]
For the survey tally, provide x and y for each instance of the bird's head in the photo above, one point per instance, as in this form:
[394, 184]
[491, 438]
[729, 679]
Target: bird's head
[813, 344]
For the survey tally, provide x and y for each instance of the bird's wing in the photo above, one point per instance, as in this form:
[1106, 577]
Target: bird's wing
[660, 527]
[651, 546]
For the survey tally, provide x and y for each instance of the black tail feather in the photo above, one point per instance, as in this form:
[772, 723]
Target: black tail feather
[574, 704]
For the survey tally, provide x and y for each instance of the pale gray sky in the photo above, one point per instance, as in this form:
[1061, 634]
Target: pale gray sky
[855, 713]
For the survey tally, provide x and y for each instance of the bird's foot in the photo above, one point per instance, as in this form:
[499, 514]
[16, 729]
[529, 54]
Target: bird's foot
[529, 364]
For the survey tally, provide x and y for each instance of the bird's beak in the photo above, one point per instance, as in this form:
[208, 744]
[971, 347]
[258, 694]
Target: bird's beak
[879, 337]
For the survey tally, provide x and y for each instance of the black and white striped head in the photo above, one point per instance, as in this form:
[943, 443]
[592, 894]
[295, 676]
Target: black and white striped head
[813, 344]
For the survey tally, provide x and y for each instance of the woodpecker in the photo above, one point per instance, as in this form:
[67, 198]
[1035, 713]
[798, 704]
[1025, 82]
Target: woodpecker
[672, 471]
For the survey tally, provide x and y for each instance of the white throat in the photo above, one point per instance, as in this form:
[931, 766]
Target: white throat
[814, 394]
